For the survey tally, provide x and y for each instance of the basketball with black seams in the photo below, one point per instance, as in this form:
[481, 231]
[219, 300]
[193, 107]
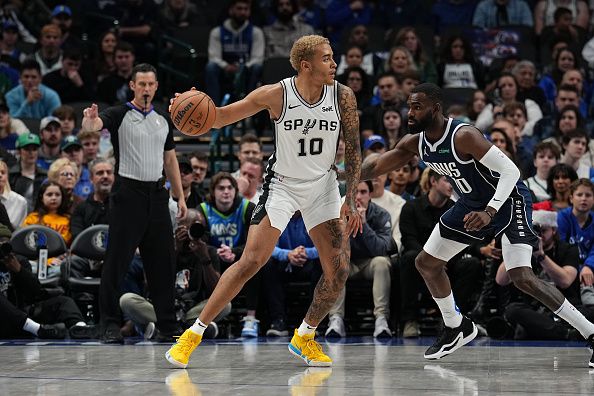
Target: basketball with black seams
[193, 113]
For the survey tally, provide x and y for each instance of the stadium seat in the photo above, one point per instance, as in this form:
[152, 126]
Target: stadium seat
[90, 244]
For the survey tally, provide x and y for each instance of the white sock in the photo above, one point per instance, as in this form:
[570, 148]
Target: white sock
[305, 329]
[31, 326]
[449, 311]
[575, 318]
[198, 327]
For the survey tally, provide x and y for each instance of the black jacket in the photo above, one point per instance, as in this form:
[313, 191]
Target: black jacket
[21, 288]
[88, 213]
[376, 239]
[20, 184]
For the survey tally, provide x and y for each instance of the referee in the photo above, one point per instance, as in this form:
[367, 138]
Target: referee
[142, 139]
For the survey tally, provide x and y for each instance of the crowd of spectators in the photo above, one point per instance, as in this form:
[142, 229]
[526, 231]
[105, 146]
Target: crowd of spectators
[536, 106]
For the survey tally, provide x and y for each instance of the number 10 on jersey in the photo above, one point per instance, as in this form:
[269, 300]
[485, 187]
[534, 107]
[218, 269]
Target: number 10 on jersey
[315, 146]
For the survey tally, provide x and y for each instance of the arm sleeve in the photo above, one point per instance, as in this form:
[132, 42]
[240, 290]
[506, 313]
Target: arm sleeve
[509, 175]
[215, 50]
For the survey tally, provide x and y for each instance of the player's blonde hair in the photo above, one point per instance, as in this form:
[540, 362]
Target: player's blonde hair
[304, 49]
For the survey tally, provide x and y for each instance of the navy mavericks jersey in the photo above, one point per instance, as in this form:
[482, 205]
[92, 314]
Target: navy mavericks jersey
[474, 183]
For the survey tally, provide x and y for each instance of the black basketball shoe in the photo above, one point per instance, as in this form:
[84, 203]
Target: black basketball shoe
[591, 346]
[451, 339]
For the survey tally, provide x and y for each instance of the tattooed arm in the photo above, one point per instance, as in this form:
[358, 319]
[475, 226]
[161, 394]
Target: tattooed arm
[350, 129]
[396, 158]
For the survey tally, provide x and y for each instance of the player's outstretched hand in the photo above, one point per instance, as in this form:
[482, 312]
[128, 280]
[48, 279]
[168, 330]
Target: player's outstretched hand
[175, 97]
[352, 218]
[475, 221]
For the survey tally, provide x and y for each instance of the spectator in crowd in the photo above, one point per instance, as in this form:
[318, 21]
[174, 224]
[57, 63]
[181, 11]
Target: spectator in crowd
[10, 129]
[192, 195]
[67, 118]
[104, 60]
[94, 210]
[15, 204]
[576, 78]
[179, 14]
[565, 60]
[199, 162]
[249, 146]
[552, 125]
[49, 54]
[544, 12]
[500, 13]
[312, 14]
[136, 19]
[51, 210]
[554, 261]
[503, 142]
[294, 258]
[9, 78]
[369, 260]
[356, 79]
[372, 118]
[26, 177]
[564, 30]
[9, 52]
[24, 303]
[417, 220]
[30, 98]
[525, 73]
[72, 149]
[344, 14]
[387, 200]
[546, 155]
[65, 173]
[232, 46]
[68, 80]
[575, 145]
[250, 180]
[400, 61]
[399, 179]
[522, 146]
[50, 131]
[114, 88]
[62, 17]
[458, 68]
[576, 227]
[90, 145]
[559, 188]
[198, 272]
[357, 53]
[374, 144]
[394, 129]
[516, 113]
[285, 30]
[476, 105]
[227, 218]
[505, 94]
[407, 37]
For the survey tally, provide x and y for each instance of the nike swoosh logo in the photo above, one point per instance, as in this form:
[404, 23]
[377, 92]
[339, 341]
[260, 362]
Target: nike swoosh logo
[292, 107]
[496, 200]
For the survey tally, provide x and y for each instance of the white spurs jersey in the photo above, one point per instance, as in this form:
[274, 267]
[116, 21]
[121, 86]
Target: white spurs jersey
[306, 135]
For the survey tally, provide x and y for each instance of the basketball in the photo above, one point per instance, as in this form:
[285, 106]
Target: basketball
[193, 113]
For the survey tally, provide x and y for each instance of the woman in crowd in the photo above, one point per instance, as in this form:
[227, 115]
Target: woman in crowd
[15, 204]
[104, 60]
[558, 184]
[506, 94]
[356, 79]
[66, 174]
[476, 104]
[458, 68]
[408, 38]
[51, 210]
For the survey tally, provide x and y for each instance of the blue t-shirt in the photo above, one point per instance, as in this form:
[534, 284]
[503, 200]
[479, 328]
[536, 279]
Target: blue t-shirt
[570, 231]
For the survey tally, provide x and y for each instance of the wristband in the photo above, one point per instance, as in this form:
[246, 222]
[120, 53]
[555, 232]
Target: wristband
[487, 212]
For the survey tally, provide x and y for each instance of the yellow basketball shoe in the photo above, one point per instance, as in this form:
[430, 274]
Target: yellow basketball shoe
[179, 353]
[309, 350]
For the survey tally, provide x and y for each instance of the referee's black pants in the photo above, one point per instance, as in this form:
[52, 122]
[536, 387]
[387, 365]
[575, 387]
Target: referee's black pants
[139, 218]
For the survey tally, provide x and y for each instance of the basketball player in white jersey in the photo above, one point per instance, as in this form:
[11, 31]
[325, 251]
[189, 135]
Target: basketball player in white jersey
[309, 111]
[491, 200]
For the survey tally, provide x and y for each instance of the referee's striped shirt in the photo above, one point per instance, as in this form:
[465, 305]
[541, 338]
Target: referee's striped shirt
[139, 140]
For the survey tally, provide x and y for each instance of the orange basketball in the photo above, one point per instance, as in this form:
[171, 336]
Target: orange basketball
[193, 113]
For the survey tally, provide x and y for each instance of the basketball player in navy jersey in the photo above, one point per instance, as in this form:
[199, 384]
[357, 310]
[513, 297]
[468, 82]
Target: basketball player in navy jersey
[308, 111]
[490, 200]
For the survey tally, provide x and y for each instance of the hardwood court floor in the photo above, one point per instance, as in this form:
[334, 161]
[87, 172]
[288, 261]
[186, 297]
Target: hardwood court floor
[265, 367]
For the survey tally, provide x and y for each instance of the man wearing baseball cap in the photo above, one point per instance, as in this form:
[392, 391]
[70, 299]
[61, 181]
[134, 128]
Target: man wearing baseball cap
[374, 144]
[62, 16]
[73, 150]
[26, 177]
[50, 131]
